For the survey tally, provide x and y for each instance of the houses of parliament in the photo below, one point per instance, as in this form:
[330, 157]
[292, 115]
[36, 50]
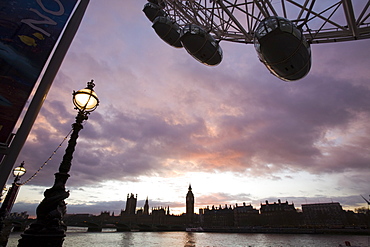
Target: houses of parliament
[236, 218]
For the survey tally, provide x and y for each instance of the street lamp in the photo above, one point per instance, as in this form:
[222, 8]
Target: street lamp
[49, 228]
[8, 203]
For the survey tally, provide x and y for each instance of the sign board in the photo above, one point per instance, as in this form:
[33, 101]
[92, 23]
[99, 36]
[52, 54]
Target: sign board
[29, 30]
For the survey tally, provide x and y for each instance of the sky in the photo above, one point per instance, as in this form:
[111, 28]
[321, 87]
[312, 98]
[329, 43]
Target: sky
[233, 131]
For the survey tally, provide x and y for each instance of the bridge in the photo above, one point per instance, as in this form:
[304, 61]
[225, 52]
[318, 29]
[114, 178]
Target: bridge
[124, 223]
[128, 227]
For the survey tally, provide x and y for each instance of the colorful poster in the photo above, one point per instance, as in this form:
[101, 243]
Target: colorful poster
[29, 30]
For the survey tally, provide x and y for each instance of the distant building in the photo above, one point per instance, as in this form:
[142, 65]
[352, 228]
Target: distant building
[271, 209]
[279, 214]
[217, 217]
[324, 214]
[276, 215]
[159, 216]
[245, 215]
[130, 205]
[146, 207]
[190, 205]
[228, 216]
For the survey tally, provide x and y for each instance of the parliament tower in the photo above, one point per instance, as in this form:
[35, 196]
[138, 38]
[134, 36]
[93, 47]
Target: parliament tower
[131, 204]
[190, 205]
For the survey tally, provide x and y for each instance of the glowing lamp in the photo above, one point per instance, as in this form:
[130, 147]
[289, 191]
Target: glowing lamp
[19, 171]
[86, 99]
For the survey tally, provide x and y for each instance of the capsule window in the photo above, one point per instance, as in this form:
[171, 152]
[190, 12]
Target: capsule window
[271, 24]
[263, 33]
[260, 32]
[285, 26]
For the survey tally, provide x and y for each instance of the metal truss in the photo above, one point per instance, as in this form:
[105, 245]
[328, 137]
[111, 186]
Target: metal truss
[235, 20]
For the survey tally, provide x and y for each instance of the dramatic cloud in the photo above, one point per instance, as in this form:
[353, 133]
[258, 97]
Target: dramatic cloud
[164, 115]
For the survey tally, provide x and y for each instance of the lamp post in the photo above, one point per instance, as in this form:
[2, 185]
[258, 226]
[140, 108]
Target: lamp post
[8, 203]
[3, 193]
[49, 229]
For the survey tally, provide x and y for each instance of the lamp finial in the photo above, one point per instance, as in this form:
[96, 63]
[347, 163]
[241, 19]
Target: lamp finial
[91, 84]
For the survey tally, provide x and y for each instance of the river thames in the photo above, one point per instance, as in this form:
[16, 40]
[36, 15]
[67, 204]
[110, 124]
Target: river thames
[78, 237]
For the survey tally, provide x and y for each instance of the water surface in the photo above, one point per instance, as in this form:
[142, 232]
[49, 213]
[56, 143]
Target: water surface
[78, 237]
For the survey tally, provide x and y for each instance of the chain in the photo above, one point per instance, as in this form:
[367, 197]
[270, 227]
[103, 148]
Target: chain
[55, 151]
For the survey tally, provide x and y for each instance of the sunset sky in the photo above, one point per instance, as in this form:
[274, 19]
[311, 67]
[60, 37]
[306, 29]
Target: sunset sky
[234, 132]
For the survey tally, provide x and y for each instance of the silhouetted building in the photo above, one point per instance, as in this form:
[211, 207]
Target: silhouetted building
[237, 216]
[276, 208]
[359, 219]
[158, 216]
[279, 214]
[271, 217]
[218, 217]
[324, 214]
[190, 205]
[245, 215]
[146, 207]
[131, 204]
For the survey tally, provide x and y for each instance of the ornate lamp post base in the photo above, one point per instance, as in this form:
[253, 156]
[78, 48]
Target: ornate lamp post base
[49, 229]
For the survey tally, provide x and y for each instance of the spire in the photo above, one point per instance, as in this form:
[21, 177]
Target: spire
[190, 187]
[146, 207]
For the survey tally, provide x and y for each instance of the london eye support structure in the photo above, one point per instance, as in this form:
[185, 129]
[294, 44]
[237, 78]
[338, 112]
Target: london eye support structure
[282, 31]
[236, 21]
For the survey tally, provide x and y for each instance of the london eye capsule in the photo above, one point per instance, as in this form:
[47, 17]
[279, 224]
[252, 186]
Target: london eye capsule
[152, 11]
[158, 2]
[201, 45]
[282, 47]
[167, 30]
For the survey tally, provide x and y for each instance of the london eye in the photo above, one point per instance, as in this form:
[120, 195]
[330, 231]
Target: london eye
[281, 31]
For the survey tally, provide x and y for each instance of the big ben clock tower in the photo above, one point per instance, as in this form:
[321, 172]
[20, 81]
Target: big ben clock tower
[190, 205]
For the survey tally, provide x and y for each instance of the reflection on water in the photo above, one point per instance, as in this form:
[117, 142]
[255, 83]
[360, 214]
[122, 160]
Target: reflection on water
[127, 239]
[80, 238]
[189, 239]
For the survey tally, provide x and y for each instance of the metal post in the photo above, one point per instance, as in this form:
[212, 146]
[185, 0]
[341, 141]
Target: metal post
[49, 228]
[8, 203]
